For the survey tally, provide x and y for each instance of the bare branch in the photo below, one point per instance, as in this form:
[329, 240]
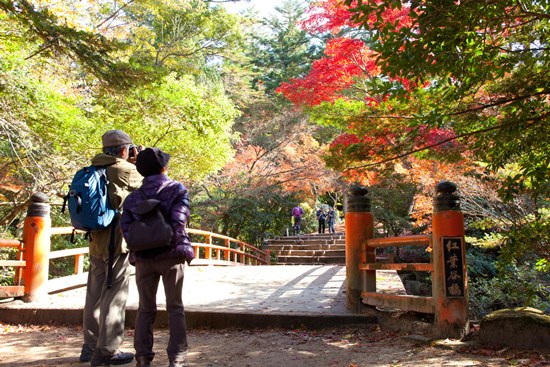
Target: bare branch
[114, 14]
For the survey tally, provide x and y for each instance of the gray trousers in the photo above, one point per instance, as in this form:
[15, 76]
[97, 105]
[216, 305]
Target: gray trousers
[148, 274]
[105, 309]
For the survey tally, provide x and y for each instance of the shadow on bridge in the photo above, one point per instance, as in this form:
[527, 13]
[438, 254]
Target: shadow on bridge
[310, 296]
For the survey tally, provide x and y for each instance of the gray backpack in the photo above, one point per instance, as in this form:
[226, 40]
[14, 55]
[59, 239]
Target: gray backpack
[151, 229]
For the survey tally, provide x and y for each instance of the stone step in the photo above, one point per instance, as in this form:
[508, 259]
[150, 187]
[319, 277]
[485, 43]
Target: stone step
[305, 253]
[339, 235]
[306, 242]
[310, 260]
[290, 247]
[312, 249]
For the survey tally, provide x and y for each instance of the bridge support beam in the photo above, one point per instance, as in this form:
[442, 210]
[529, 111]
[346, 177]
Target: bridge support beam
[450, 283]
[36, 239]
[359, 228]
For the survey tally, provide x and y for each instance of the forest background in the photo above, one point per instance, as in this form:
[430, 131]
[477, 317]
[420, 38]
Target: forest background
[260, 114]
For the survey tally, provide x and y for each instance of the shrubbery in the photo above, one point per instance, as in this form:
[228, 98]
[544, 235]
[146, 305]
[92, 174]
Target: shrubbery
[494, 284]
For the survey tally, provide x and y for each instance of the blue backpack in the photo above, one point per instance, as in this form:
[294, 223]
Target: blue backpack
[87, 200]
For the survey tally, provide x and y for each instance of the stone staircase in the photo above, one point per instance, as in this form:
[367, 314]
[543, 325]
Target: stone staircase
[310, 249]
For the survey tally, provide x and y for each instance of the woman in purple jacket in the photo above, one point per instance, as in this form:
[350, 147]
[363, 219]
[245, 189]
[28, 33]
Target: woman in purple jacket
[165, 262]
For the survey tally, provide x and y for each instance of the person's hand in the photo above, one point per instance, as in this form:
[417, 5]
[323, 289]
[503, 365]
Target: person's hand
[133, 156]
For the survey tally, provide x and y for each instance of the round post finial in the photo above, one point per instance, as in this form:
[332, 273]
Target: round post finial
[39, 206]
[445, 198]
[357, 200]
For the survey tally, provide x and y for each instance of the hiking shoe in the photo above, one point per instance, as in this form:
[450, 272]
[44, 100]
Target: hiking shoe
[86, 353]
[178, 364]
[115, 360]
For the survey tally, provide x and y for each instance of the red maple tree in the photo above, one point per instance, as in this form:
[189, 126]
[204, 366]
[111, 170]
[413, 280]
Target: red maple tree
[350, 71]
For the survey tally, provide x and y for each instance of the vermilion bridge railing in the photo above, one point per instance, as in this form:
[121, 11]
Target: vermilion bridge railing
[33, 255]
[449, 299]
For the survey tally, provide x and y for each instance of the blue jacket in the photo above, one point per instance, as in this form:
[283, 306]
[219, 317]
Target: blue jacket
[174, 203]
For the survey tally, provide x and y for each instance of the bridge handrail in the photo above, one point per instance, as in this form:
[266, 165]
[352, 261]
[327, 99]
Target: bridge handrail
[218, 249]
[447, 247]
[244, 254]
[5, 243]
[223, 237]
[260, 254]
[412, 240]
[10, 243]
[373, 298]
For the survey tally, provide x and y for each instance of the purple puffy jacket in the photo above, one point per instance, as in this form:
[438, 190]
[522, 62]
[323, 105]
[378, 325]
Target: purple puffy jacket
[175, 203]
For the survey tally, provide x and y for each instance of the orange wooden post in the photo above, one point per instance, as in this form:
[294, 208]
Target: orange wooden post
[242, 256]
[78, 264]
[359, 228]
[450, 282]
[208, 249]
[36, 238]
[18, 276]
[226, 253]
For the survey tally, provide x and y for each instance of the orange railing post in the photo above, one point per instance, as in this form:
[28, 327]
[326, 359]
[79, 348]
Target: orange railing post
[226, 254]
[450, 283]
[359, 228]
[36, 239]
[267, 257]
[208, 250]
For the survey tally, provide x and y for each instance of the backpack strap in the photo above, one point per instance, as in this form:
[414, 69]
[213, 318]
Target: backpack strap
[111, 252]
[162, 187]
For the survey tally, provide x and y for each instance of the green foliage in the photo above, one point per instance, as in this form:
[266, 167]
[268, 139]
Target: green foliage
[542, 265]
[93, 52]
[528, 237]
[391, 200]
[182, 36]
[65, 266]
[251, 217]
[189, 120]
[7, 273]
[282, 50]
[481, 264]
[513, 287]
[507, 266]
[336, 114]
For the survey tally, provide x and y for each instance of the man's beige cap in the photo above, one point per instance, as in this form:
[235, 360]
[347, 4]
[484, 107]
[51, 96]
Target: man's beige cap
[113, 138]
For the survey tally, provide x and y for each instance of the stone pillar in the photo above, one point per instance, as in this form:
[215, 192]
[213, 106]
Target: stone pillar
[359, 228]
[36, 239]
[449, 283]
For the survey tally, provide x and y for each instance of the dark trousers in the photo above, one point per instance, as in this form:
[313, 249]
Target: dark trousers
[148, 274]
[297, 222]
[321, 226]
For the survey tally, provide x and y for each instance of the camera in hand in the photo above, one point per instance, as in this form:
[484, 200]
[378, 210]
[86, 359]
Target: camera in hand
[131, 150]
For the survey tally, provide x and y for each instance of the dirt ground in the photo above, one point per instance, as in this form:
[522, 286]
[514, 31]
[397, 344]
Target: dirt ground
[343, 347]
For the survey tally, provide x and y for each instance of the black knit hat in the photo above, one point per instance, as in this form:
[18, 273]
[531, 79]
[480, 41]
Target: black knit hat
[151, 161]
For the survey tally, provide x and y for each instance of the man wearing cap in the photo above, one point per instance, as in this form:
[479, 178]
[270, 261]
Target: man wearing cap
[105, 308]
[165, 262]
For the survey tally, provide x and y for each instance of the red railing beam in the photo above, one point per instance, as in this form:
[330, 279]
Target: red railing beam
[415, 240]
[11, 243]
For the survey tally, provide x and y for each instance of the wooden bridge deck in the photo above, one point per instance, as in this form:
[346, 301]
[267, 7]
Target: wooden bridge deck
[230, 297]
